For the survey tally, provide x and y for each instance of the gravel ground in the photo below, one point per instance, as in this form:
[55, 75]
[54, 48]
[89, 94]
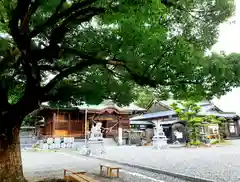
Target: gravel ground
[221, 164]
[37, 165]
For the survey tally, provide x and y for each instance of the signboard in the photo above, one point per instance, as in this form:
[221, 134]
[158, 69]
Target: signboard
[232, 129]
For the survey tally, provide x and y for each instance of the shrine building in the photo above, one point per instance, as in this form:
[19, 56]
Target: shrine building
[77, 121]
[162, 111]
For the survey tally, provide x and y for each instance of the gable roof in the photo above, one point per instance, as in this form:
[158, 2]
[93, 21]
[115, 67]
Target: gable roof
[205, 105]
[206, 108]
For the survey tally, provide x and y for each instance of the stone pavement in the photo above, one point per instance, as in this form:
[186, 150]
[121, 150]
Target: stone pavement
[37, 165]
[220, 164]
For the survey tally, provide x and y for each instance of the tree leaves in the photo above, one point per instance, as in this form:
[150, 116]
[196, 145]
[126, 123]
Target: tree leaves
[154, 43]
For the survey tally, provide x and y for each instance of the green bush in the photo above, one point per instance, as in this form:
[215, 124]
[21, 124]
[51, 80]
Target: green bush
[215, 142]
[195, 143]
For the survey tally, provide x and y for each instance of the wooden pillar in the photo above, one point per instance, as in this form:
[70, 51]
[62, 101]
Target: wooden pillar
[86, 125]
[120, 122]
[69, 124]
[53, 124]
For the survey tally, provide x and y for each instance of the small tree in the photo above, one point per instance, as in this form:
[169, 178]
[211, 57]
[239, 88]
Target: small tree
[189, 111]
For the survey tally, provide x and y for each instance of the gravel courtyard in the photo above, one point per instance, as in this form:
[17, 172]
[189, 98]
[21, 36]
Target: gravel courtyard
[38, 165]
[221, 164]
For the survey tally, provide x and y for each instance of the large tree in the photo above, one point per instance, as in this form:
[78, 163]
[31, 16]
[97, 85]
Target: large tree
[89, 50]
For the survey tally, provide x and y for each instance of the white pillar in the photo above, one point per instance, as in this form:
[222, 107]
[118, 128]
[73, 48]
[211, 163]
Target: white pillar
[120, 136]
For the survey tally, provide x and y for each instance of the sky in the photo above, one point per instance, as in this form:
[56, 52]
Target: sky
[229, 39]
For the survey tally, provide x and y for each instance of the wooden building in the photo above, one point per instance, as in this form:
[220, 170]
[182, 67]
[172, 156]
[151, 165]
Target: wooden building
[161, 110]
[78, 120]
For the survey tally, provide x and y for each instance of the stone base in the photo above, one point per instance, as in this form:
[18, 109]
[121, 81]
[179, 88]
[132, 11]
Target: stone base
[96, 147]
[160, 143]
[95, 139]
[85, 151]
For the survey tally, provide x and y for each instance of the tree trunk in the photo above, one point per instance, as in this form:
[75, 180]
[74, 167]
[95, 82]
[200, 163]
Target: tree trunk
[10, 157]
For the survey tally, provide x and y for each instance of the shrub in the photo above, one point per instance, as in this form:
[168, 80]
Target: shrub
[195, 143]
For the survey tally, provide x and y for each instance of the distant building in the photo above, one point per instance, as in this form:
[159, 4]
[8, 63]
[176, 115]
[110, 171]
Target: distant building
[161, 110]
[76, 121]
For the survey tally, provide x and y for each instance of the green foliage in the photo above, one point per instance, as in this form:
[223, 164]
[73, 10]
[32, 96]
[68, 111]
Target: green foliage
[195, 143]
[99, 49]
[189, 111]
[215, 142]
[29, 121]
[145, 95]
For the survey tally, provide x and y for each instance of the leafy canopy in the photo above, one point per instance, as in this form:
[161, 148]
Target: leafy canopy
[99, 49]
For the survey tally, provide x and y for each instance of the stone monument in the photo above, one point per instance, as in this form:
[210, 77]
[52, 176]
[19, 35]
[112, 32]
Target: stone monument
[95, 142]
[159, 138]
[96, 134]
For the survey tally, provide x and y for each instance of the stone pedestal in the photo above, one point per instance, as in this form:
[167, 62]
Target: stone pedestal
[159, 142]
[95, 144]
[159, 138]
[96, 147]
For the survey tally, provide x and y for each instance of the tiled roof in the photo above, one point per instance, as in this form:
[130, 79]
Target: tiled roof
[170, 113]
[169, 122]
[206, 108]
[104, 105]
[224, 115]
[141, 122]
[171, 101]
[153, 115]
[131, 107]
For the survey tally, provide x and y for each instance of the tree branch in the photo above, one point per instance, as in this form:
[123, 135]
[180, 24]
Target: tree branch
[84, 55]
[86, 60]
[56, 17]
[3, 95]
[59, 6]
[78, 17]
[78, 67]
[9, 59]
[113, 72]
[45, 67]
[144, 80]
[18, 14]
[24, 27]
